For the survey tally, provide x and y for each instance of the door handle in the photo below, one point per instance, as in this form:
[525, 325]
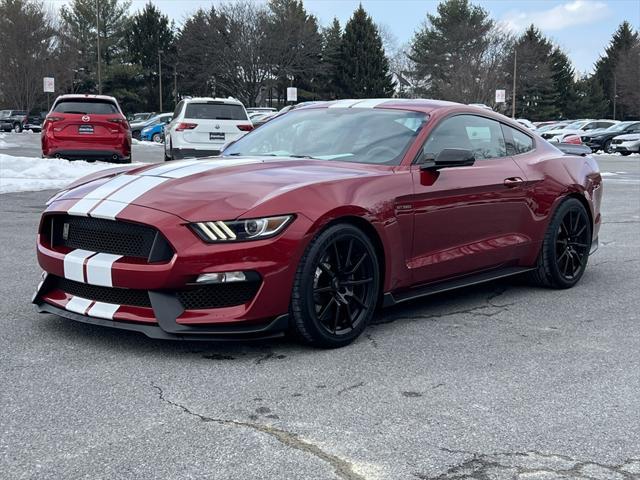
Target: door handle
[512, 182]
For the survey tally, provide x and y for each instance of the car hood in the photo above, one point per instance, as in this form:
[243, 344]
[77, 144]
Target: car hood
[628, 137]
[216, 188]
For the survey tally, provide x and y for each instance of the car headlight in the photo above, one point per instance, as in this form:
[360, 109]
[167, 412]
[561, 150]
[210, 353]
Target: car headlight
[219, 231]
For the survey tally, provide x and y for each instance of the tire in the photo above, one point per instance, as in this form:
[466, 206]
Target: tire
[334, 295]
[135, 134]
[168, 158]
[606, 148]
[565, 249]
[625, 154]
[17, 128]
[157, 138]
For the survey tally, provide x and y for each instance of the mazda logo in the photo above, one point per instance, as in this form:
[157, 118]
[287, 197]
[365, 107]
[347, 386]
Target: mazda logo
[86, 118]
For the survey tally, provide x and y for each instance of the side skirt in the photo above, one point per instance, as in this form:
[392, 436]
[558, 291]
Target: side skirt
[390, 298]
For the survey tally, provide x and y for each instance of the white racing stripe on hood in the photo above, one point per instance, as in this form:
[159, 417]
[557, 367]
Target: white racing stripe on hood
[167, 167]
[119, 200]
[207, 165]
[94, 197]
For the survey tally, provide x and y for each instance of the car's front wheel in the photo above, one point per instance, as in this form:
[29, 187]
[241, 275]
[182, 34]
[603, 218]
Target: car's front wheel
[17, 128]
[157, 138]
[565, 249]
[336, 287]
[607, 147]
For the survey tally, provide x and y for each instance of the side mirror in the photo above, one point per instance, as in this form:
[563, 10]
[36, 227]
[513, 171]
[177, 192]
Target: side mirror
[448, 158]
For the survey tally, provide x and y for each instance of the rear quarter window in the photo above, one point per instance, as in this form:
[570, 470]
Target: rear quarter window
[96, 107]
[215, 111]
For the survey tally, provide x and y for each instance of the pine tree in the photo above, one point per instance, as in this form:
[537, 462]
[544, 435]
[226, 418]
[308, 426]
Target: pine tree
[536, 93]
[331, 48]
[606, 67]
[590, 101]
[149, 32]
[563, 74]
[364, 68]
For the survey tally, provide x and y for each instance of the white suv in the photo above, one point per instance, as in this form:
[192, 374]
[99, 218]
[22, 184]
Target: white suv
[202, 126]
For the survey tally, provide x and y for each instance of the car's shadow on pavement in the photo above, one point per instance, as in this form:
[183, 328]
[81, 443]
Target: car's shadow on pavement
[484, 300]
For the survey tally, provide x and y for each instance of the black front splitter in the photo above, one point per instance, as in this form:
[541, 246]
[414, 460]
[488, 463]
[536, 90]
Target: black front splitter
[273, 329]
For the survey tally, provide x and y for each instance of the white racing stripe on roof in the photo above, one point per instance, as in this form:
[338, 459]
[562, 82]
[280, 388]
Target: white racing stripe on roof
[91, 199]
[74, 264]
[99, 269]
[103, 310]
[371, 103]
[78, 305]
[119, 200]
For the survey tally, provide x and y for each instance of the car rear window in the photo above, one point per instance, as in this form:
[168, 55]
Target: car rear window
[215, 111]
[93, 106]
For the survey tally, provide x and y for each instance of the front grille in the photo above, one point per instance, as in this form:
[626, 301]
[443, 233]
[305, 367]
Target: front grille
[217, 296]
[108, 236]
[119, 296]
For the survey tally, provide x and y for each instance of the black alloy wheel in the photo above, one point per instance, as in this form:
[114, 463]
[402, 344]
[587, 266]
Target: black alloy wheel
[336, 287]
[607, 147]
[565, 250]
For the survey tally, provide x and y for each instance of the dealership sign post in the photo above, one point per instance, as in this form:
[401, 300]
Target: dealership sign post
[48, 86]
[292, 94]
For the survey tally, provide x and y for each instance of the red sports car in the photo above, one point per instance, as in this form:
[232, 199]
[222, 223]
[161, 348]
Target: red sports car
[315, 219]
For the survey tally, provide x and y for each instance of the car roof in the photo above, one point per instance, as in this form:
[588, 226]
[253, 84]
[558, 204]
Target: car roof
[74, 96]
[229, 100]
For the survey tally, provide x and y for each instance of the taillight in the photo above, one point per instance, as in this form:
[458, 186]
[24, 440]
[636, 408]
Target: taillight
[53, 118]
[186, 126]
[118, 120]
[245, 128]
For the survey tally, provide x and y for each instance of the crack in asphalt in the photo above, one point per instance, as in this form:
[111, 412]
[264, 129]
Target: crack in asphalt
[343, 469]
[479, 310]
[350, 387]
[530, 463]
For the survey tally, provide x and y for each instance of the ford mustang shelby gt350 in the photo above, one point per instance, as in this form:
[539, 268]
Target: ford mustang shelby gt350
[312, 221]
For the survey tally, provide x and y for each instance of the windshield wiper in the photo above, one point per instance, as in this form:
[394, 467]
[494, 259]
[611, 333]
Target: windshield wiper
[302, 156]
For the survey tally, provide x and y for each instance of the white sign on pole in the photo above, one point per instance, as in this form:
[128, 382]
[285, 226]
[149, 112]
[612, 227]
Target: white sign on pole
[49, 84]
[500, 96]
[292, 94]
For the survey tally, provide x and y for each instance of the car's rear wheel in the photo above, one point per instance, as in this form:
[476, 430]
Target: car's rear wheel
[336, 287]
[157, 138]
[607, 147]
[17, 128]
[625, 154]
[168, 157]
[565, 249]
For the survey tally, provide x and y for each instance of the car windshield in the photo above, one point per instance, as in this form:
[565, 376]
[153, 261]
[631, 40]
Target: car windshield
[215, 111]
[93, 106]
[575, 125]
[619, 127]
[344, 134]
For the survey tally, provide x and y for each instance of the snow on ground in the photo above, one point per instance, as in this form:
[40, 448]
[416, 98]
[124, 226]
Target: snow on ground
[145, 143]
[20, 174]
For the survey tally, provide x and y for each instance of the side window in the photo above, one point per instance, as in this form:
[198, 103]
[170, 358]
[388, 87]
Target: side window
[178, 108]
[519, 142]
[480, 135]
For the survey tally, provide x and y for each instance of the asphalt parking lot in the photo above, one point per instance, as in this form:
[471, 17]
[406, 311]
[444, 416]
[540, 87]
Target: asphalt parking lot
[500, 381]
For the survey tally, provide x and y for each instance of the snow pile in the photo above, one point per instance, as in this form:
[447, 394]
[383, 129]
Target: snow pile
[145, 143]
[4, 144]
[20, 174]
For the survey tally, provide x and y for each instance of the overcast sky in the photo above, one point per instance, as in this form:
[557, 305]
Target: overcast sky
[582, 28]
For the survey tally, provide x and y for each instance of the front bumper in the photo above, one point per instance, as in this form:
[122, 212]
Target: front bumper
[630, 147]
[165, 314]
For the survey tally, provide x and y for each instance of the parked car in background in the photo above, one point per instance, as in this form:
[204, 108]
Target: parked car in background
[262, 110]
[12, 120]
[577, 128]
[626, 144]
[34, 122]
[481, 105]
[87, 127]
[141, 117]
[154, 131]
[572, 139]
[601, 139]
[552, 126]
[136, 127]
[202, 126]
[262, 118]
[526, 123]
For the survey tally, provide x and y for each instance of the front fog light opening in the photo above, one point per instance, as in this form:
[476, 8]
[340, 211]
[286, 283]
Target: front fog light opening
[223, 277]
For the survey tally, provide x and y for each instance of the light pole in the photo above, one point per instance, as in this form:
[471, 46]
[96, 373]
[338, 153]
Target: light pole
[160, 52]
[98, 32]
[513, 100]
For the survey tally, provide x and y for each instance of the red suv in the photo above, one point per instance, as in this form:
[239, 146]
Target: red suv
[87, 127]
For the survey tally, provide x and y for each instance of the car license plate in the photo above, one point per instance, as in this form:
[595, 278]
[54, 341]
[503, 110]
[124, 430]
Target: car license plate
[85, 129]
[216, 136]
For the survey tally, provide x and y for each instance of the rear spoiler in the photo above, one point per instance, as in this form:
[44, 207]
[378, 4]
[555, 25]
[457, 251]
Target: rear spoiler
[572, 149]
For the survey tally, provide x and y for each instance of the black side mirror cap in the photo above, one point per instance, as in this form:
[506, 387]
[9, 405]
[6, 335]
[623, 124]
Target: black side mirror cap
[448, 158]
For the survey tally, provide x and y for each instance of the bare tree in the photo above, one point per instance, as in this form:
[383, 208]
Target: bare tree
[27, 37]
